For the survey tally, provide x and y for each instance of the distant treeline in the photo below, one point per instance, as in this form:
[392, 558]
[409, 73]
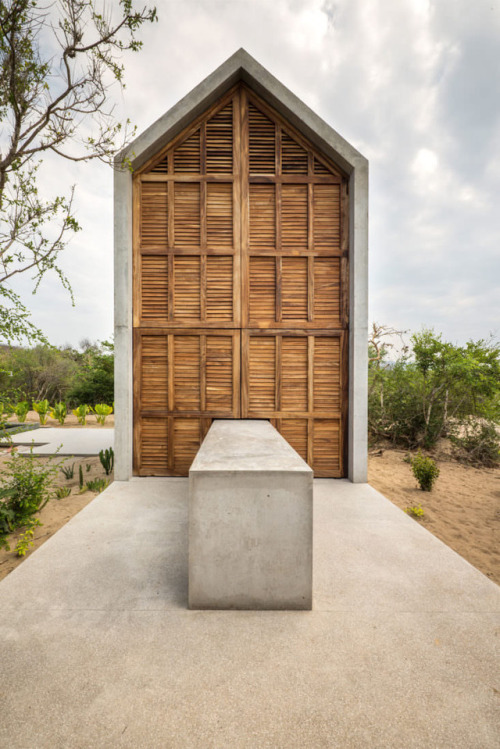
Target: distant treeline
[74, 376]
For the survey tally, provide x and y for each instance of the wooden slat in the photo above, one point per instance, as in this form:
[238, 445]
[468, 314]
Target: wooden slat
[294, 158]
[219, 141]
[187, 214]
[262, 217]
[326, 231]
[154, 289]
[294, 216]
[327, 290]
[326, 367]
[262, 143]
[219, 374]
[154, 372]
[294, 374]
[187, 155]
[261, 373]
[154, 215]
[262, 291]
[187, 386]
[295, 433]
[187, 287]
[294, 288]
[220, 214]
[219, 301]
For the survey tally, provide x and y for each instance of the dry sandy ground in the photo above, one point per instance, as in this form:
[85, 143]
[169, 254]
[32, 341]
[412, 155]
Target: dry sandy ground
[463, 509]
[58, 511]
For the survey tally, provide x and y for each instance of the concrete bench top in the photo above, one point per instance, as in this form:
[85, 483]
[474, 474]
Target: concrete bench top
[246, 445]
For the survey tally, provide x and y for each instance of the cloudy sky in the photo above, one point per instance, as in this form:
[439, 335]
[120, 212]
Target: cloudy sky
[412, 84]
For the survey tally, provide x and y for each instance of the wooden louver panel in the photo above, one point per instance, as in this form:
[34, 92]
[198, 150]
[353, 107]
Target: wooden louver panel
[294, 216]
[294, 158]
[219, 214]
[241, 288]
[154, 214]
[262, 217]
[187, 214]
[187, 155]
[187, 286]
[220, 142]
[261, 142]
[154, 290]
[219, 294]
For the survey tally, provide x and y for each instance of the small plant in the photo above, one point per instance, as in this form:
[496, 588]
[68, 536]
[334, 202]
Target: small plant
[88, 467]
[21, 410]
[80, 477]
[97, 485]
[68, 471]
[42, 409]
[425, 471]
[107, 458]
[59, 412]
[63, 491]
[81, 413]
[416, 511]
[102, 411]
[25, 541]
[27, 487]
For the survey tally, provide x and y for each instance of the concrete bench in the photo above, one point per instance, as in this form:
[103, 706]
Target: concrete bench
[250, 520]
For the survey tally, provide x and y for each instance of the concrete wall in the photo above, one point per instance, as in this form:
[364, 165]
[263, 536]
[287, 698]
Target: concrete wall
[243, 67]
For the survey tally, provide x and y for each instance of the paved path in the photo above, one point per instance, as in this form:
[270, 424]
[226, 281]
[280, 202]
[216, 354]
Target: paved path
[99, 649]
[77, 441]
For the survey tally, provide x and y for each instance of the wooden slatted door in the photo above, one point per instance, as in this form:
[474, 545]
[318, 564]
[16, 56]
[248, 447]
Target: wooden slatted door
[295, 290]
[240, 289]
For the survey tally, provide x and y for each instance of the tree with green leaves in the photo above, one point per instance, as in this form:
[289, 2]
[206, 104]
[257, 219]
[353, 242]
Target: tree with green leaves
[57, 62]
[431, 388]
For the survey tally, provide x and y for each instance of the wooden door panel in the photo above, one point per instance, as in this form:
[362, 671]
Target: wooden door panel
[298, 379]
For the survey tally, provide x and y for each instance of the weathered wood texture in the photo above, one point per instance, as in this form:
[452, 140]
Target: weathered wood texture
[240, 289]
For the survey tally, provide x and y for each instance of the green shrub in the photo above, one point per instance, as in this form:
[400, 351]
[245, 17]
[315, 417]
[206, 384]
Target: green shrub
[27, 486]
[102, 411]
[425, 471]
[96, 485]
[81, 413]
[59, 412]
[42, 409]
[21, 410]
[63, 491]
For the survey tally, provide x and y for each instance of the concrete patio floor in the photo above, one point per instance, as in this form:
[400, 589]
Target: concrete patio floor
[99, 649]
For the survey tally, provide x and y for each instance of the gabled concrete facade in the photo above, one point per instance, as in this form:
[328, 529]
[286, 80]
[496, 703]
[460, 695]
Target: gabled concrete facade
[242, 67]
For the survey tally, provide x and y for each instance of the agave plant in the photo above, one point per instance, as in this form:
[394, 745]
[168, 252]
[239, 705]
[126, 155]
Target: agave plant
[42, 409]
[82, 412]
[102, 410]
[59, 412]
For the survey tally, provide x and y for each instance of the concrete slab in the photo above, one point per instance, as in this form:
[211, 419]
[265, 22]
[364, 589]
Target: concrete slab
[250, 520]
[99, 649]
[81, 442]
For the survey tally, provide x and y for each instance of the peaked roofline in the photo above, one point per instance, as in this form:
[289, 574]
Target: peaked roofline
[242, 67]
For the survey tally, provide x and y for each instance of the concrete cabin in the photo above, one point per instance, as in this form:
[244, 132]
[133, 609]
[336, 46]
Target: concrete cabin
[241, 278]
